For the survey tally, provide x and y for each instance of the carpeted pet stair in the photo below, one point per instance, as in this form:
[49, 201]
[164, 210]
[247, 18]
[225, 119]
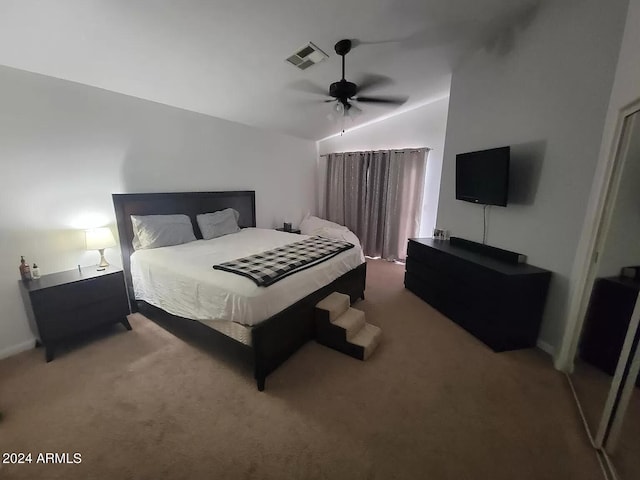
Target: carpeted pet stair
[344, 328]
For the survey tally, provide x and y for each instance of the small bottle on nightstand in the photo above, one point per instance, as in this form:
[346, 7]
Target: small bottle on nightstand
[35, 271]
[25, 271]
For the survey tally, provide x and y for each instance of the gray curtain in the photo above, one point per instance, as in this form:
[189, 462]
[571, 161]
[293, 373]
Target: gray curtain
[355, 175]
[377, 195]
[372, 237]
[335, 189]
[405, 189]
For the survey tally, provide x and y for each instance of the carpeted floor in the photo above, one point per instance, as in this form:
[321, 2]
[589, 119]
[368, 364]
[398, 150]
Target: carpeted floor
[431, 403]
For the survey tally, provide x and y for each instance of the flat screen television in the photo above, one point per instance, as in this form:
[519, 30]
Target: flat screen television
[483, 177]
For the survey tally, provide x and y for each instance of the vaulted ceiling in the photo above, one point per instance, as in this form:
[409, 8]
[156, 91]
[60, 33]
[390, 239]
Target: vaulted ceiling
[226, 58]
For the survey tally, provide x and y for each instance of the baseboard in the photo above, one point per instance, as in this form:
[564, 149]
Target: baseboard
[546, 347]
[15, 349]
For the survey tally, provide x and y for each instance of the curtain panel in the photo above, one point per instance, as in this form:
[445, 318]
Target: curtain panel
[378, 195]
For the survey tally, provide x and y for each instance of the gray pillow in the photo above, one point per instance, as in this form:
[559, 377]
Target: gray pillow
[217, 224]
[153, 231]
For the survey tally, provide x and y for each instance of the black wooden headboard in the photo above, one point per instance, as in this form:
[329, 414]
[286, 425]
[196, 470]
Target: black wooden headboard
[188, 203]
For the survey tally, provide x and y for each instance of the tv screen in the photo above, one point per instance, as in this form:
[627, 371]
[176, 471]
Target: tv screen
[483, 177]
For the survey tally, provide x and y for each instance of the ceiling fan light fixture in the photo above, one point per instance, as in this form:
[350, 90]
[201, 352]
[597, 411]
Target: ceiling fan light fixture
[348, 95]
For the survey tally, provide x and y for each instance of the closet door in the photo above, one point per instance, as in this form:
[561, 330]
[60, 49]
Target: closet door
[622, 440]
[600, 359]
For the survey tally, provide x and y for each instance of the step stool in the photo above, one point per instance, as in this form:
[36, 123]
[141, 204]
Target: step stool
[345, 329]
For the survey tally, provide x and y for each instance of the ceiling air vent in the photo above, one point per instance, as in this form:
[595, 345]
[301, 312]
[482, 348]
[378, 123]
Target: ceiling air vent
[307, 56]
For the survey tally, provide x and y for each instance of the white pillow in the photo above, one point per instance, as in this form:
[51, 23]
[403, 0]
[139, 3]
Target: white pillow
[340, 234]
[217, 224]
[153, 231]
[311, 224]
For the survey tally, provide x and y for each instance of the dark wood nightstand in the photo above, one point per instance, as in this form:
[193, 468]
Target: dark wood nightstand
[63, 304]
[293, 230]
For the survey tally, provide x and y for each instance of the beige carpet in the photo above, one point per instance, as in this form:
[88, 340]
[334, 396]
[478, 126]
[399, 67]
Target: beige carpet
[431, 403]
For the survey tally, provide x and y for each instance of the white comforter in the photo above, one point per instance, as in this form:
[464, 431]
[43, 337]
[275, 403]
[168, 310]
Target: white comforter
[180, 279]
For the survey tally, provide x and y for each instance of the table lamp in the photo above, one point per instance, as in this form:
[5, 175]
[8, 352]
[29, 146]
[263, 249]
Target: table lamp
[99, 239]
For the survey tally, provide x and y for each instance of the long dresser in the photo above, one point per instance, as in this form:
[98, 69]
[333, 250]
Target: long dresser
[500, 303]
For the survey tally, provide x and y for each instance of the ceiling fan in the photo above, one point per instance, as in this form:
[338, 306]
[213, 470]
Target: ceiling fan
[344, 93]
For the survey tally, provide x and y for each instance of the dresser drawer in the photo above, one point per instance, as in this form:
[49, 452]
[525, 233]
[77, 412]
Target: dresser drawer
[455, 267]
[458, 289]
[73, 295]
[425, 291]
[422, 272]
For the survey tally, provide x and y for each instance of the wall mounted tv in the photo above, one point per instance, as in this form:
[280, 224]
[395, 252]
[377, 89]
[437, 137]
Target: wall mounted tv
[483, 177]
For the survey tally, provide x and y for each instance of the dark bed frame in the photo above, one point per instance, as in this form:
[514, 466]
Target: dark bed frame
[273, 340]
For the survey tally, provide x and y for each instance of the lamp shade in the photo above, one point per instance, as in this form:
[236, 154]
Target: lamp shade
[99, 238]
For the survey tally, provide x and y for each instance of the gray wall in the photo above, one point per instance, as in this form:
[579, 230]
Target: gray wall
[622, 244]
[65, 148]
[544, 90]
[625, 92]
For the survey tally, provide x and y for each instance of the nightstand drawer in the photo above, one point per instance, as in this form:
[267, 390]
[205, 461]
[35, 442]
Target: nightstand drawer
[58, 326]
[73, 295]
[62, 324]
[106, 311]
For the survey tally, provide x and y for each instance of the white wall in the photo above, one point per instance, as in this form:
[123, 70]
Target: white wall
[625, 91]
[546, 95]
[622, 245]
[65, 148]
[421, 127]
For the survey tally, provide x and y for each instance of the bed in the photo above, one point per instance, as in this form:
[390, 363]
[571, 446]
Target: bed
[263, 330]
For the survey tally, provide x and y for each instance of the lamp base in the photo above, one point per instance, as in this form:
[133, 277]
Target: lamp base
[103, 261]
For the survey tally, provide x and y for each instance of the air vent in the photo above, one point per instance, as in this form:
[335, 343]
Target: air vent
[307, 56]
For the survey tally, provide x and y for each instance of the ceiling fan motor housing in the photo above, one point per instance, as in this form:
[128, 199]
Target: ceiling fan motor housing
[343, 90]
[343, 47]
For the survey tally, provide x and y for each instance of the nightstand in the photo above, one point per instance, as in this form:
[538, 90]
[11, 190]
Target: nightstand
[61, 305]
[293, 230]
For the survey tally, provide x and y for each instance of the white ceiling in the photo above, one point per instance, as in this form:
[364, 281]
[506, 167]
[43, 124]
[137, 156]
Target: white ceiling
[225, 58]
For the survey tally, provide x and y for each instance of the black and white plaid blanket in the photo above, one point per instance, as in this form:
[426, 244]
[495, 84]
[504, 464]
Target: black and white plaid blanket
[268, 267]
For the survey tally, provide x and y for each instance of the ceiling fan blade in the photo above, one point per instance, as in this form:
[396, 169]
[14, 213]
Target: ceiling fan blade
[307, 86]
[386, 100]
[353, 107]
[370, 81]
